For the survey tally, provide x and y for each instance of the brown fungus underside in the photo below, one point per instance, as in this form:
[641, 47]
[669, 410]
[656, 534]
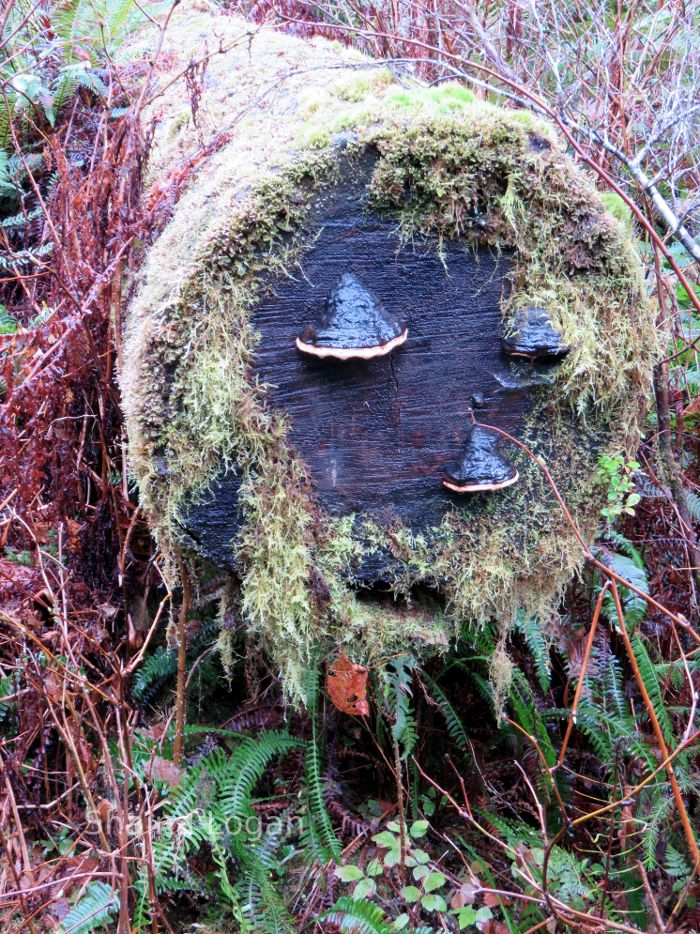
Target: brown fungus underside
[447, 168]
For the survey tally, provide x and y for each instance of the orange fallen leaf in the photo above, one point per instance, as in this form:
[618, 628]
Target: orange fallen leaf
[465, 895]
[692, 409]
[346, 684]
[165, 770]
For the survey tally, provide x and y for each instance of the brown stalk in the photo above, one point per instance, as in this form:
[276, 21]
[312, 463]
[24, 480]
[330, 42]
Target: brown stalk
[603, 568]
[579, 685]
[547, 771]
[660, 926]
[533, 100]
[678, 797]
[401, 813]
[559, 909]
[181, 690]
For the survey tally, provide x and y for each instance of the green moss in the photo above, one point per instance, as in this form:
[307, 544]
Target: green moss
[314, 137]
[363, 85]
[192, 407]
[615, 205]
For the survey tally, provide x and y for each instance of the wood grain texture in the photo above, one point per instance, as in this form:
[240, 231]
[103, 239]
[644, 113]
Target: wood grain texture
[377, 435]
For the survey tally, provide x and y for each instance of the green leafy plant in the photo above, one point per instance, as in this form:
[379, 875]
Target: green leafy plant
[42, 69]
[427, 893]
[628, 563]
[616, 475]
[97, 904]
[398, 689]
[212, 806]
[358, 916]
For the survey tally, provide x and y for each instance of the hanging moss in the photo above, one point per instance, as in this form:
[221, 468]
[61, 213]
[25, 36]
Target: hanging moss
[449, 168]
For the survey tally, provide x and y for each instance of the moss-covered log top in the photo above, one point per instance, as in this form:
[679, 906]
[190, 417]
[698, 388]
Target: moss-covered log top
[448, 172]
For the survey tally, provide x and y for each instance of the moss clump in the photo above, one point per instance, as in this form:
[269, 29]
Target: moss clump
[448, 168]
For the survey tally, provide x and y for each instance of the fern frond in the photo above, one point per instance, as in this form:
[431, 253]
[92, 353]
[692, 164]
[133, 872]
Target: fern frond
[358, 916]
[693, 501]
[626, 547]
[633, 606]
[11, 260]
[8, 325]
[98, 904]
[530, 628]
[262, 904]
[70, 79]
[320, 836]
[588, 723]
[198, 787]
[246, 767]
[515, 832]
[160, 666]
[650, 678]
[662, 809]
[19, 220]
[399, 679]
[157, 668]
[526, 713]
[455, 727]
[675, 864]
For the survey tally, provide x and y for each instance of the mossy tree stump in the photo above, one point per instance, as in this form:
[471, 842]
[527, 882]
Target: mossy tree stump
[306, 476]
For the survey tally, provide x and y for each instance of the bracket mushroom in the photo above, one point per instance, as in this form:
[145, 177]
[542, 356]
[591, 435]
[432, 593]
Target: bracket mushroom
[481, 467]
[532, 335]
[354, 325]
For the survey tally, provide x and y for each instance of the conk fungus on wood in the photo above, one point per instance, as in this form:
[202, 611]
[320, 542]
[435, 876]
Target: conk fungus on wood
[354, 325]
[358, 261]
[481, 466]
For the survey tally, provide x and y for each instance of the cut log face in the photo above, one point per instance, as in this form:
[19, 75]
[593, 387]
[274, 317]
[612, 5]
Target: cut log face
[378, 436]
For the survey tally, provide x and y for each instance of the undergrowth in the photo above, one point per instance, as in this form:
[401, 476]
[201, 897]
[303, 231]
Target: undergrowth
[496, 785]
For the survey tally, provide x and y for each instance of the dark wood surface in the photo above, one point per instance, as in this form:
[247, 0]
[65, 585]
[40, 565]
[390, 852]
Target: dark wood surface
[377, 435]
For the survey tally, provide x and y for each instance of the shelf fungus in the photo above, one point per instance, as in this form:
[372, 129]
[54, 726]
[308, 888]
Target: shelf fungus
[532, 335]
[354, 325]
[481, 466]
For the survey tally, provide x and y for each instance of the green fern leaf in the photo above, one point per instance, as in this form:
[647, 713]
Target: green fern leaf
[662, 809]
[320, 835]
[399, 676]
[160, 666]
[675, 864]
[98, 904]
[8, 325]
[455, 727]
[693, 501]
[261, 902]
[527, 714]
[531, 630]
[653, 688]
[246, 767]
[358, 916]
[626, 547]
[634, 607]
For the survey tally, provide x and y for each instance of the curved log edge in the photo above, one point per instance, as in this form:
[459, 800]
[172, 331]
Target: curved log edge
[478, 181]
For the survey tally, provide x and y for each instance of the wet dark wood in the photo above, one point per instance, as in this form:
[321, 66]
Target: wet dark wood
[378, 435]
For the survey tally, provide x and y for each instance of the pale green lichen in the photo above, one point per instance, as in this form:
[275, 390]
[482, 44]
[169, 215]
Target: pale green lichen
[448, 167]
